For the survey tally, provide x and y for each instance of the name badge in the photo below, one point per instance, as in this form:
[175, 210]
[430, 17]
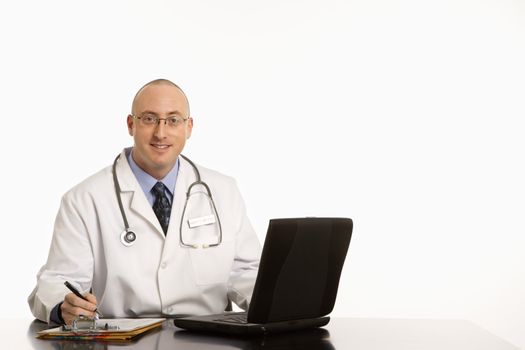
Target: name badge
[201, 221]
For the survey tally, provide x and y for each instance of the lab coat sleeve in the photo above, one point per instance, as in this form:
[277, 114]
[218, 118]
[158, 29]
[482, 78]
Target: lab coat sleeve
[70, 259]
[246, 262]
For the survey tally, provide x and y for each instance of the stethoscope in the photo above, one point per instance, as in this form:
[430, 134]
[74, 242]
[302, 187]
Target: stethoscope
[128, 237]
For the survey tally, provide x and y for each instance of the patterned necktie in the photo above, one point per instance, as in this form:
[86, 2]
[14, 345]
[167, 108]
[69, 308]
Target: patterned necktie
[161, 206]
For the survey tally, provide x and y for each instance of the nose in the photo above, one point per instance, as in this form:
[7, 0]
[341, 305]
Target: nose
[160, 129]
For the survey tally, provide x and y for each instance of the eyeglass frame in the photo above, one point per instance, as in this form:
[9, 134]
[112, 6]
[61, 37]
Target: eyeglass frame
[165, 120]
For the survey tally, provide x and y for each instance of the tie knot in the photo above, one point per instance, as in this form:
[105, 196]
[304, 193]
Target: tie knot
[158, 189]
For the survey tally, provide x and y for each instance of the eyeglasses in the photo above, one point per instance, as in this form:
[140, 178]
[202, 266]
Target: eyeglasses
[151, 119]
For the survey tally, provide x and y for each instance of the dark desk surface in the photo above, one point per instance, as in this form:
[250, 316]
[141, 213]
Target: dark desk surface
[341, 333]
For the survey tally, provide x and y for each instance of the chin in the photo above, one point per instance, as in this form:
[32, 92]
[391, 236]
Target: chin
[161, 164]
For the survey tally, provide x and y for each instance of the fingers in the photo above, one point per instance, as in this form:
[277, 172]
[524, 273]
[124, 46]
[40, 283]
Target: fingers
[73, 306]
[91, 298]
[89, 304]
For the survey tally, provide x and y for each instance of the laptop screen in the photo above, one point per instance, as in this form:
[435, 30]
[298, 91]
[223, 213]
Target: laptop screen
[300, 268]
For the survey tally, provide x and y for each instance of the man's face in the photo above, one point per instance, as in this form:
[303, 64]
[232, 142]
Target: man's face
[158, 146]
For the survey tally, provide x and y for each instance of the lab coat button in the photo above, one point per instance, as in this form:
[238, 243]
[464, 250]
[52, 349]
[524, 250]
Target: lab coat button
[168, 310]
[163, 265]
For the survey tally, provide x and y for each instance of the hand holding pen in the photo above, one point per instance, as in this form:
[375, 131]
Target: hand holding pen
[76, 304]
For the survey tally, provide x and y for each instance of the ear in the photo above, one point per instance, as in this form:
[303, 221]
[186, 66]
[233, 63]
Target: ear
[131, 123]
[189, 128]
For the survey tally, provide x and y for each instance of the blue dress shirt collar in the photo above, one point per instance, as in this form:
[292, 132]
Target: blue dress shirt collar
[146, 181]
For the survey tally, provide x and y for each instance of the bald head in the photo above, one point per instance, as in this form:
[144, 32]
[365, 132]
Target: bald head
[157, 82]
[157, 147]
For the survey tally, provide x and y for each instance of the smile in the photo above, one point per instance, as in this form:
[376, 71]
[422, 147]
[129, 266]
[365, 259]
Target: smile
[160, 146]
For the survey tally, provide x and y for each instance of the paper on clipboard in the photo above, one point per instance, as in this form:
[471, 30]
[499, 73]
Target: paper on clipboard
[118, 330]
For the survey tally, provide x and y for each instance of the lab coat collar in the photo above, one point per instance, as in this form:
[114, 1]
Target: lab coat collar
[125, 176]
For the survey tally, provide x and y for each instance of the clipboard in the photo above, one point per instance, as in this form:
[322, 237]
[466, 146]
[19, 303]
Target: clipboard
[122, 329]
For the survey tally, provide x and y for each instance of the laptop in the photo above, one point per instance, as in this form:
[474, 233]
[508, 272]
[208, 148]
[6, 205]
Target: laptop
[297, 281]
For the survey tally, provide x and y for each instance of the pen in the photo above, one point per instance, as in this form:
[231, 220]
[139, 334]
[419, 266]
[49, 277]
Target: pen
[77, 293]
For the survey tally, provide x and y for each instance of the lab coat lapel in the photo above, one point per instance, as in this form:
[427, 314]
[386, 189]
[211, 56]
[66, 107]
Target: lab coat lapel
[184, 178]
[133, 197]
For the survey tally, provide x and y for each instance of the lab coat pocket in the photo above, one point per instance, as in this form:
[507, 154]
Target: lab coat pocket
[213, 265]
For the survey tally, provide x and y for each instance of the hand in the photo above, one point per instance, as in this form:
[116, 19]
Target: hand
[73, 306]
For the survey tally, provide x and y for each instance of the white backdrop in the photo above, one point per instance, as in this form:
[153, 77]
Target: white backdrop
[404, 115]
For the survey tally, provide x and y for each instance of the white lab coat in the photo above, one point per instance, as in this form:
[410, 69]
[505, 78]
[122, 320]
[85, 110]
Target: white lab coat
[156, 275]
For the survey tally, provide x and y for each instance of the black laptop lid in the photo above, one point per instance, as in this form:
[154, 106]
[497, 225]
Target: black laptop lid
[300, 268]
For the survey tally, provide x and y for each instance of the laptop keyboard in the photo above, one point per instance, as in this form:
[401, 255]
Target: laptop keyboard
[238, 318]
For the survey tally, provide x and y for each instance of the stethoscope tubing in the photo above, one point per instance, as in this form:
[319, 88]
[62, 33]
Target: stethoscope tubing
[117, 191]
[128, 237]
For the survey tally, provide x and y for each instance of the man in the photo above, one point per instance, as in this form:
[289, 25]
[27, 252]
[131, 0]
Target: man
[164, 268]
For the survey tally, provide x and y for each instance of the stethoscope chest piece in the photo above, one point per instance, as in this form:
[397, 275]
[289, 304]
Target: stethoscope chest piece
[128, 237]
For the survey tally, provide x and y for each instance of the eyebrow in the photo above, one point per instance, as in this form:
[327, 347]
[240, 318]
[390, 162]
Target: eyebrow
[155, 113]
